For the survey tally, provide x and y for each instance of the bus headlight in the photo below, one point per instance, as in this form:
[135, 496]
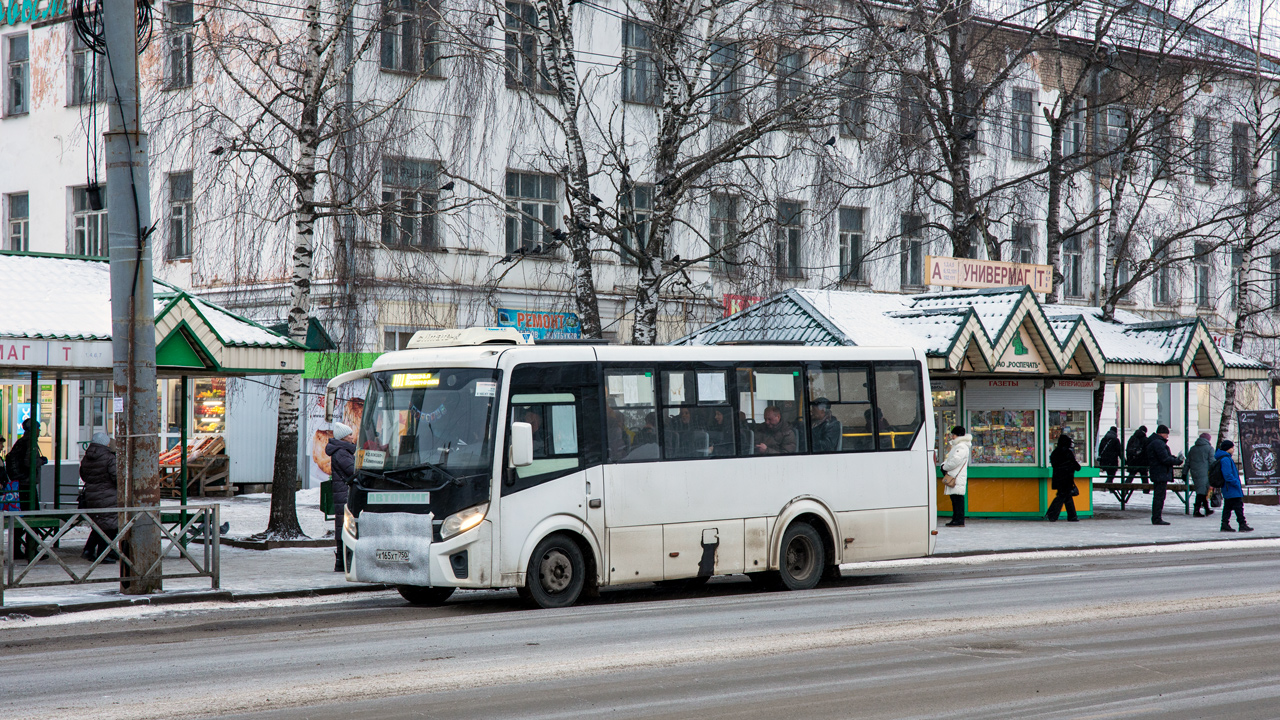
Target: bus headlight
[349, 523]
[463, 520]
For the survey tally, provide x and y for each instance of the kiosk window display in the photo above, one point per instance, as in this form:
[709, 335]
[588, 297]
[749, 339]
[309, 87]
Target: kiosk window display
[1003, 437]
[1076, 423]
[946, 410]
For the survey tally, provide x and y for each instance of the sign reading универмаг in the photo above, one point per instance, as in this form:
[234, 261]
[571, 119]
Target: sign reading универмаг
[969, 273]
[1259, 456]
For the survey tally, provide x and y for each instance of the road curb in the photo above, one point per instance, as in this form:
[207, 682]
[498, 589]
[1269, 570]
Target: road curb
[1108, 546]
[185, 598]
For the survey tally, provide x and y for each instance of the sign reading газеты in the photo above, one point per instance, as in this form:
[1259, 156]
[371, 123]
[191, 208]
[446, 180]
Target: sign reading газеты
[1259, 456]
[967, 273]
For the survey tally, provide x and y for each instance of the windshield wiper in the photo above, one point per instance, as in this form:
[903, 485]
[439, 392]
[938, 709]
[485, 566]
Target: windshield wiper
[360, 473]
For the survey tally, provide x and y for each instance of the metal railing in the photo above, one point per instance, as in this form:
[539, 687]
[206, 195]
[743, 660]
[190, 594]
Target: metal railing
[42, 530]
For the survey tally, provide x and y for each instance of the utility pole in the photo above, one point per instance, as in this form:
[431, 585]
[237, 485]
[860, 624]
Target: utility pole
[133, 332]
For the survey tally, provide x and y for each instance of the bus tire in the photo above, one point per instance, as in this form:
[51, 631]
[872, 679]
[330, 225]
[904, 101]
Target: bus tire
[557, 572]
[418, 595]
[802, 559]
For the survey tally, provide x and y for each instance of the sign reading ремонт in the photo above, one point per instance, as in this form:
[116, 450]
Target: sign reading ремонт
[967, 273]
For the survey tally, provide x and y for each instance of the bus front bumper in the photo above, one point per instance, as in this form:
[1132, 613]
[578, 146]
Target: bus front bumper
[396, 549]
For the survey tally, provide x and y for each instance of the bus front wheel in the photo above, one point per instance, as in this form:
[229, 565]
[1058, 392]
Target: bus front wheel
[556, 574]
[418, 595]
[802, 558]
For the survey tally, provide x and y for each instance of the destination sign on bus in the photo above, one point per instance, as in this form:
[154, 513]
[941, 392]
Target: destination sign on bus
[413, 380]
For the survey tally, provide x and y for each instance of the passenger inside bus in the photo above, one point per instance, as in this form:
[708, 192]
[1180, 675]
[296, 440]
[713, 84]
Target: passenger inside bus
[774, 437]
[826, 429]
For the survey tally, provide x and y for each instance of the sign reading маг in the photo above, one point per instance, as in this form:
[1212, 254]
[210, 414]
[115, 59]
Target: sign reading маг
[540, 324]
[1259, 456]
[967, 273]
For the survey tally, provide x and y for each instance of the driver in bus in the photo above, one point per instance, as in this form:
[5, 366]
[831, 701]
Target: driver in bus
[773, 437]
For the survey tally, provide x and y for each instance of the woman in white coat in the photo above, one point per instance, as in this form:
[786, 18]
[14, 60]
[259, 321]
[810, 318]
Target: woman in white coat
[957, 466]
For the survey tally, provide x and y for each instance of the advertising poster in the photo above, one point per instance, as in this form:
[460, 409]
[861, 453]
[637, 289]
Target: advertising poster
[737, 303]
[541, 324]
[1259, 456]
[348, 409]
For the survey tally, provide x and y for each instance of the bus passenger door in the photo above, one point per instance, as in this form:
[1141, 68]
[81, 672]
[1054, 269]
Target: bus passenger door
[593, 511]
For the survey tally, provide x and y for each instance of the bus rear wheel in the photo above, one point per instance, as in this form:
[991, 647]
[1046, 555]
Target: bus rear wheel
[418, 595]
[556, 573]
[802, 558]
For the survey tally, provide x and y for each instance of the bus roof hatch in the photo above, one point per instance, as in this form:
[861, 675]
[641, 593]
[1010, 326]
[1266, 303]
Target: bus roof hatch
[466, 336]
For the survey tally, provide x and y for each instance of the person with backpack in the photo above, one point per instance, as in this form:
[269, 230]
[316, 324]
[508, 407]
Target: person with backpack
[1109, 453]
[1198, 459]
[1232, 490]
[1135, 455]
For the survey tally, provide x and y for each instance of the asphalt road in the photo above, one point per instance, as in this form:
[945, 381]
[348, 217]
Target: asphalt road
[1178, 635]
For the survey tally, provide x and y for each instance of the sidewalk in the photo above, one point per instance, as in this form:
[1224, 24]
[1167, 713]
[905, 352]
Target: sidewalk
[301, 572]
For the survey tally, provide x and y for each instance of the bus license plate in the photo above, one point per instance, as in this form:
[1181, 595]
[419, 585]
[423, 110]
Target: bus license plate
[392, 556]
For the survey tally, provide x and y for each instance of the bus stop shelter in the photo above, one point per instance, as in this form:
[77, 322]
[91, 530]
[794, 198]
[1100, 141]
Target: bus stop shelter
[1015, 372]
[57, 325]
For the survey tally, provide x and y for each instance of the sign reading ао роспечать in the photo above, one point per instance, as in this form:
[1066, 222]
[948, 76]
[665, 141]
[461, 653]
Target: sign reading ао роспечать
[968, 273]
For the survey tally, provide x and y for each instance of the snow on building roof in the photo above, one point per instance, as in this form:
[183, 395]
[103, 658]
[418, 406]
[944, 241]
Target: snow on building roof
[54, 298]
[978, 325]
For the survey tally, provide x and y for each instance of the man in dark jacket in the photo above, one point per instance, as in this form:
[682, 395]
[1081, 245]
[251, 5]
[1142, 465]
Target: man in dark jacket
[98, 471]
[17, 466]
[1109, 453]
[1161, 462]
[826, 429]
[1135, 455]
[342, 459]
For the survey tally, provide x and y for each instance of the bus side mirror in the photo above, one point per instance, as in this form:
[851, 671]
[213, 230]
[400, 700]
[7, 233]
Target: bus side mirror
[330, 397]
[521, 444]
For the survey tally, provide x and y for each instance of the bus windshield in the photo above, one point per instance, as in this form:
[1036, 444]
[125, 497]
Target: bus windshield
[425, 428]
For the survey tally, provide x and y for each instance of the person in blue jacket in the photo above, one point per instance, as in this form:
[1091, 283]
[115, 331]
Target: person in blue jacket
[1232, 491]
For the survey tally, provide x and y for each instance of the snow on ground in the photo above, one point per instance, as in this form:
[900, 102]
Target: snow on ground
[248, 513]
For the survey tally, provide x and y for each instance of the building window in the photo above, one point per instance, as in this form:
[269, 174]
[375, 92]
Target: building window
[1023, 102]
[724, 232]
[636, 207]
[181, 41]
[18, 207]
[85, 81]
[724, 93]
[18, 93]
[787, 247]
[851, 245]
[1123, 270]
[1241, 162]
[409, 42]
[911, 116]
[1275, 281]
[1073, 134]
[1201, 264]
[397, 338]
[532, 210]
[180, 215]
[1237, 267]
[1024, 249]
[89, 221]
[1073, 266]
[1202, 150]
[1275, 162]
[524, 62]
[409, 203]
[639, 64]
[1115, 133]
[792, 66]
[853, 103]
[912, 250]
[1161, 146]
[1162, 280]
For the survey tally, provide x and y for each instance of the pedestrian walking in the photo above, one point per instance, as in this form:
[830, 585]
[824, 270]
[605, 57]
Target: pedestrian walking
[8, 487]
[1198, 459]
[1109, 453]
[955, 470]
[1161, 463]
[1232, 490]
[17, 465]
[341, 452]
[1064, 464]
[98, 471]
[1135, 455]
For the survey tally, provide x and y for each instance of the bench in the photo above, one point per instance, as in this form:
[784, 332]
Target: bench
[1122, 491]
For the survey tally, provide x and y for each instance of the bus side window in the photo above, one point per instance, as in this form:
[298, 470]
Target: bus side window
[899, 408]
[840, 409]
[771, 411]
[697, 420]
[554, 419]
[631, 418]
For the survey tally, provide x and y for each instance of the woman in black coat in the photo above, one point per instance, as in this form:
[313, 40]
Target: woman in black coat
[98, 471]
[1064, 466]
[341, 452]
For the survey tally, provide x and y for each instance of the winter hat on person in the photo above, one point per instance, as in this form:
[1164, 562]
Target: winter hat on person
[1226, 445]
[1206, 436]
[1162, 430]
[100, 438]
[340, 431]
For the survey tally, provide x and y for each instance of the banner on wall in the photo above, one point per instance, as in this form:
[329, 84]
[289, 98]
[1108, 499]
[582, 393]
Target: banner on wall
[541, 324]
[970, 273]
[1259, 455]
[347, 409]
[738, 303]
